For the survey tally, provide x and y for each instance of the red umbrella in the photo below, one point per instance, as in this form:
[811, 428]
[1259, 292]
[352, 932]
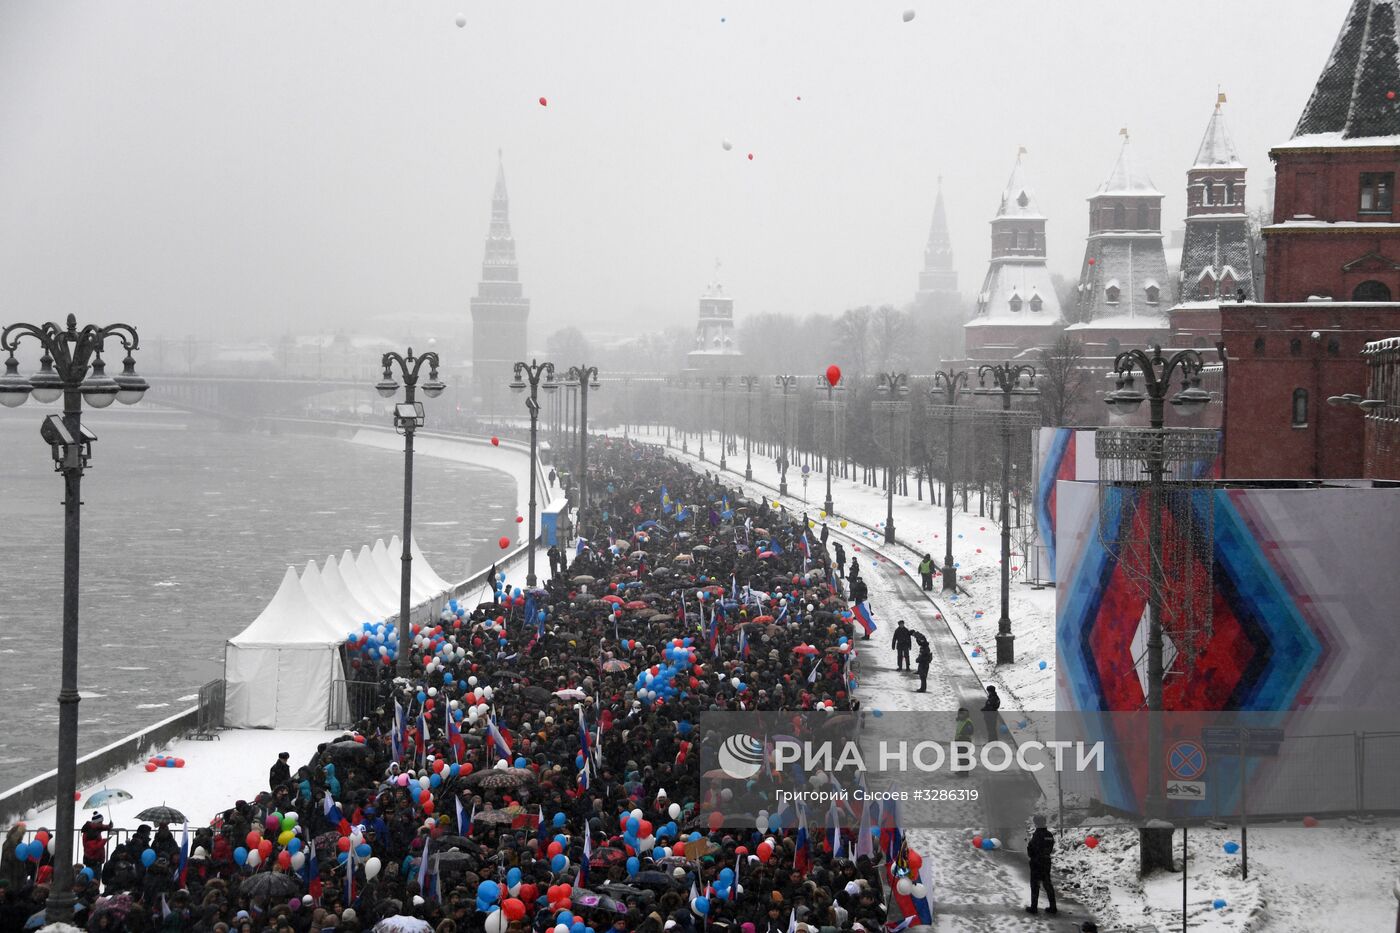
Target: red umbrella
[612, 598]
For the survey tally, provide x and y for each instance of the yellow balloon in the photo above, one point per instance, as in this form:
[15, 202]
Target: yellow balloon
[777, 504]
[843, 523]
[284, 837]
[823, 514]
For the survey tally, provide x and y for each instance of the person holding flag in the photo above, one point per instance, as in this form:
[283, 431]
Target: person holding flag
[866, 617]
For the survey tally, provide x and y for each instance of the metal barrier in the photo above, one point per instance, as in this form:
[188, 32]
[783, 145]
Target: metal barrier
[350, 701]
[210, 716]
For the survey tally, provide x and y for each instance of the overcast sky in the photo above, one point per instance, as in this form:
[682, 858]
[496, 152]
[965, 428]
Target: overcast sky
[230, 168]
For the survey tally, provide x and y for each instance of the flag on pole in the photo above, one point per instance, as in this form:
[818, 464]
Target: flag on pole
[865, 617]
[184, 854]
[498, 739]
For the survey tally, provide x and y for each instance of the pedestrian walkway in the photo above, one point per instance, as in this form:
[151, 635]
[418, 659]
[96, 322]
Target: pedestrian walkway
[975, 890]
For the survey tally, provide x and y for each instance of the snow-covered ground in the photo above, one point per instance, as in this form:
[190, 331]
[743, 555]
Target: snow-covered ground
[216, 774]
[1336, 876]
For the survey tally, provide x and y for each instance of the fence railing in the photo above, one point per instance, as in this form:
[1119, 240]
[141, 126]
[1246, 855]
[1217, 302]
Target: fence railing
[350, 701]
[210, 716]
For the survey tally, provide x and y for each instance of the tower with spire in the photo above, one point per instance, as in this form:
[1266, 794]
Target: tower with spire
[1017, 308]
[715, 351]
[937, 302]
[1217, 254]
[500, 310]
[1122, 295]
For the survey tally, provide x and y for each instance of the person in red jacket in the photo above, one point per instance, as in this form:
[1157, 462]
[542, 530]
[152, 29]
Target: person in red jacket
[95, 842]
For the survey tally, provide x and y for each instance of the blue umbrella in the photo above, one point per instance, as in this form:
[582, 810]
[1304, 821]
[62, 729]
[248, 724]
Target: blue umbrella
[107, 796]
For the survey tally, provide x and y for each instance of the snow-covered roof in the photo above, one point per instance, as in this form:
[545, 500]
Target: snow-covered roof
[1126, 179]
[1337, 140]
[1008, 279]
[288, 619]
[1121, 322]
[1217, 149]
[1018, 200]
[1349, 98]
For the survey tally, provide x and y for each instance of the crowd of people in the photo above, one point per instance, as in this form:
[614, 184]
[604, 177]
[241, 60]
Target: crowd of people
[539, 770]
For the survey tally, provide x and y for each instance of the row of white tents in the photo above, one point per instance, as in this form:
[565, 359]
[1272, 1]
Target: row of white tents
[284, 670]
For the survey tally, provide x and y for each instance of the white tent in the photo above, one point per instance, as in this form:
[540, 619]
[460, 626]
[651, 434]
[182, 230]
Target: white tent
[435, 584]
[279, 670]
[336, 589]
[358, 589]
[373, 580]
[338, 621]
[391, 571]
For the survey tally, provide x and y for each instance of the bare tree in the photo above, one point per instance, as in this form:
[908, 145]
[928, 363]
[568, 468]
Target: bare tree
[850, 344]
[889, 332]
[568, 346]
[1063, 381]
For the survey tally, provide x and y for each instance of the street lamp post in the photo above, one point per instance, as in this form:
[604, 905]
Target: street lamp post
[700, 383]
[71, 367]
[586, 378]
[748, 382]
[1007, 379]
[832, 386]
[1126, 398]
[950, 382]
[529, 375]
[893, 386]
[785, 384]
[723, 381]
[408, 418]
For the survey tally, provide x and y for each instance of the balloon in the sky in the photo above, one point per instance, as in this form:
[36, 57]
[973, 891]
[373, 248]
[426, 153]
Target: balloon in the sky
[461, 21]
[544, 102]
[727, 145]
[750, 156]
[833, 374]
[908, 15]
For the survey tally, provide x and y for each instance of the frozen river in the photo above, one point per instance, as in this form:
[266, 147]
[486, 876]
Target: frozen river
[187, 530]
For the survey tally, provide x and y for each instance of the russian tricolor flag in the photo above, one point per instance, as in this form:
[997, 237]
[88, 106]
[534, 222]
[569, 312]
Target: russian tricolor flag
[865, 617]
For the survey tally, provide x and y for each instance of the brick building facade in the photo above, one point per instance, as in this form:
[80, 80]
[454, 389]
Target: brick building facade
[1382, 436]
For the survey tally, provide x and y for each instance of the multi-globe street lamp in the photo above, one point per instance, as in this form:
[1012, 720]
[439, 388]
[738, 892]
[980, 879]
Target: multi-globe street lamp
[785, 384]
[1008, 379]
[748, 382]
[892, 387]
[528, 375]
[1126, 398]
[832, 378]
[723, 381]
[948, 383]
[72, 368]
[586, 378]
[408, 418]
[700, 397]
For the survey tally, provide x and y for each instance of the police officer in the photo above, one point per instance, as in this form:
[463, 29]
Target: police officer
[901, 642]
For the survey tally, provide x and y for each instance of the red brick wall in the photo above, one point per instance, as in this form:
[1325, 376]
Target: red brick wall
[1383, 424]
[1260, 438]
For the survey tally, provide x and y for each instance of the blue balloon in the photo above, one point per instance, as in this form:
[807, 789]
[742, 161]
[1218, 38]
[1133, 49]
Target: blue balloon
[240, 856]
[558, 820]
[86, 873]
[577, 927]
[363, 850]
[435, 780]
[565, 917]
[294, 846]
[1043, 665]
[702, 905]
[1218, 903]
[22, 851]
[726, 875]
[562, 839]
[634, 865]
[488, 891]
[1231, 847]
[633, 824]
[422, 696]
[512, 877]
[148, 857]
[987, 845]
[559, 862]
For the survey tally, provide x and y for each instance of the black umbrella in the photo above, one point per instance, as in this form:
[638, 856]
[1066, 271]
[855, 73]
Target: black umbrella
[348, 748]
[625, 891]
[270, 884]
[653, 879]
[161, 814]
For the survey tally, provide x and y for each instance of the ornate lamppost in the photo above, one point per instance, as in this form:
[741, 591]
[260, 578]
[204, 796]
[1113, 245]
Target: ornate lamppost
[832, 378]
[946, 386]
[786, 384]
[408, 418]
[530, 375]
[748, 382]
[586, 378]
[723, 381]
[1008, 379]
[892, 388]
[72, 368]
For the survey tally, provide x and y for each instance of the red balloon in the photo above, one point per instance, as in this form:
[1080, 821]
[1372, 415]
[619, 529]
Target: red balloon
[554, 849]
[496, 441]
[179, 762]
[750, 156]
[1309, 821]
[1389, 95]
[716, 821]
[1091, 841]
[466, 768]
[544, 102]
[504, 542]
[520, 519]
[1091, 262]
[765, 851]
[428, 808]
[252, 839]
[833, 374]
[514, 908]
[977, 842]
[343, 843]
[284, 859]
[265, 848]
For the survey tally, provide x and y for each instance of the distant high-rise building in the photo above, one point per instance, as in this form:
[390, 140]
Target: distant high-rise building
[500, 311]
[1017, 309]
[1120, 292]
[937, 303]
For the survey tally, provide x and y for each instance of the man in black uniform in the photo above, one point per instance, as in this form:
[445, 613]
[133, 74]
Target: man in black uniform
[840, 560]
[903, 638]
[1039, 850]
[280, 772]
[922, 661]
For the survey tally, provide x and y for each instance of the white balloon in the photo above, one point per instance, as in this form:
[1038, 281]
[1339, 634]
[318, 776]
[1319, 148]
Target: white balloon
[432, 691]
[904, 886]
[424, 782]
[417, 900]
[471, 681]
[762, 823]
[996, 843]
[674, 811]
[920, 891]
[461, 21]
[561, 928]
[298, 860]
[254, 859]
[496, 921]
[727, 145]
[908, 15]
[637, 813]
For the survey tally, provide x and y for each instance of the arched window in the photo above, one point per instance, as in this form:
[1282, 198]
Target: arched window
[1015, 239]
[1205, 191]
[1205, 287]
[1300, 408]
[1110, 294]
[1371, 290]
[1036, 303]
[1334, 347]
[1153, 294]
[1144, 217]
[1295, 347]
[1015, 302]
[1120, 217]
[1258, 346]
[1229, 192]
